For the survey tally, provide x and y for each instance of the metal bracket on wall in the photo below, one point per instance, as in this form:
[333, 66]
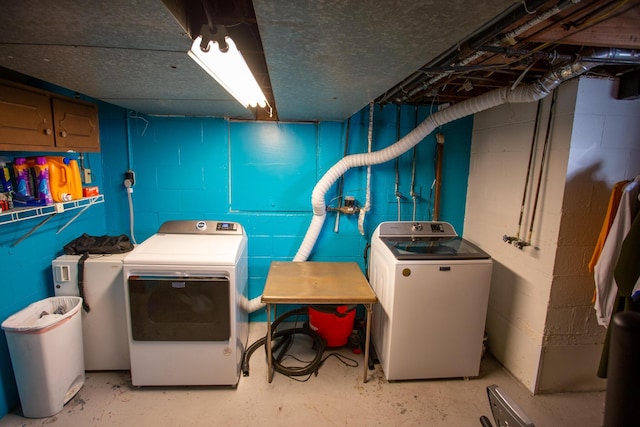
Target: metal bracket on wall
[21, 214]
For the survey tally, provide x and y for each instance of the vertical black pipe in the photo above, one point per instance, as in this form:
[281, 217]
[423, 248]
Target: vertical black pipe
[542, 160]
[526, 181]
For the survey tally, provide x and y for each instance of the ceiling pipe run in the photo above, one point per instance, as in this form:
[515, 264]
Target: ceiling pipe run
[505, 95]
[482, 36]
[504, 39]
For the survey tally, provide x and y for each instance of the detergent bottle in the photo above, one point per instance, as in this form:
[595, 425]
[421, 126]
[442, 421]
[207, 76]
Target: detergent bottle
[42, 180]
[76, 180]
[6, 185]
[64, 179]
[23, 185]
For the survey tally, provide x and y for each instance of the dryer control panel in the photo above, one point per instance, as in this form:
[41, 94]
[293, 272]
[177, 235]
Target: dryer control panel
[200, 227]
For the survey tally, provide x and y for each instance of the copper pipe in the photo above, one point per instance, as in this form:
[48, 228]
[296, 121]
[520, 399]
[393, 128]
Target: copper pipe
[438, 183]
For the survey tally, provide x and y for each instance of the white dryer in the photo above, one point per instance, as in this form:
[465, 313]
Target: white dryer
[433, 289]
[183, 291]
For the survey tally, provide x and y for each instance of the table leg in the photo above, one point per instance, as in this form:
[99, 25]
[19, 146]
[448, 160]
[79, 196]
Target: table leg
[268, 344]
[366, 342]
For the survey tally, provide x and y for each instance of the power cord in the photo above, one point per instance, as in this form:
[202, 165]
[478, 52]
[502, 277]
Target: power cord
[282, 342]
[128, 184]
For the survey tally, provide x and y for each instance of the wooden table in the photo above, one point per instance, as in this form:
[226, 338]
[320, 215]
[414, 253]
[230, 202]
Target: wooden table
[317, 283]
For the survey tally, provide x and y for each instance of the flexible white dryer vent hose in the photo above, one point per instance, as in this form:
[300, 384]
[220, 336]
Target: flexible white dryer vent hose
[505, 95]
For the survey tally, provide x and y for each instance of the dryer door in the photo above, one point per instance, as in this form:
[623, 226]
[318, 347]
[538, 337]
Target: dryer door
[179, 308]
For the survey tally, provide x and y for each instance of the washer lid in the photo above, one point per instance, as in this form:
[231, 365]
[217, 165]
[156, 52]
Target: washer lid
[188, 249]
[428, 240]
[412, 248]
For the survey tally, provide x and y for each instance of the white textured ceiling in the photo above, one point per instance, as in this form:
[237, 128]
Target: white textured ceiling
[326, 58]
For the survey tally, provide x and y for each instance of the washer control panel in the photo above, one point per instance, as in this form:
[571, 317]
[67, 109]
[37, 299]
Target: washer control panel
[426, 229]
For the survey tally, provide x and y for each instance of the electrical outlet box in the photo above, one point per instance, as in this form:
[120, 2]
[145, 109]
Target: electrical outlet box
[87, 176]
[131, 176]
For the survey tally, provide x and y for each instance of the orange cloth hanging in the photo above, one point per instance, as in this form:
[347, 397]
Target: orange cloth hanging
[612, 209]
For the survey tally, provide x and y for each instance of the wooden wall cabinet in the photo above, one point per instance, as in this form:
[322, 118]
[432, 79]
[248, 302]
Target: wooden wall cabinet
[36, 120]
[75, 124]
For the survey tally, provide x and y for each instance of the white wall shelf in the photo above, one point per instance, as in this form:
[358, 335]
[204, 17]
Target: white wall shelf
[26, 213]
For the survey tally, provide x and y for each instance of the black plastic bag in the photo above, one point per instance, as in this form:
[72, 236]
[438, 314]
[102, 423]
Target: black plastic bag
[86, 244]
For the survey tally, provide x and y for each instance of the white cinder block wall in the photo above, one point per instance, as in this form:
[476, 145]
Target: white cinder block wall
[540, 321]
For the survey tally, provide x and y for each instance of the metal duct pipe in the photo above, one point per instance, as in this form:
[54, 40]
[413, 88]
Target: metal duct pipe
[494, 98]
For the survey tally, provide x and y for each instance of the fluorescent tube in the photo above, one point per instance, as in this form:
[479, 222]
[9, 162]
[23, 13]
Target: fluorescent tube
[230, 70]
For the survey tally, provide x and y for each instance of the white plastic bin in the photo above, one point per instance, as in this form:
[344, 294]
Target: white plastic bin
[45, 343]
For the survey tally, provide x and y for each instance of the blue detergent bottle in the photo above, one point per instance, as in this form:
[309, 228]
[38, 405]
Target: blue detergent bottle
[5, 177]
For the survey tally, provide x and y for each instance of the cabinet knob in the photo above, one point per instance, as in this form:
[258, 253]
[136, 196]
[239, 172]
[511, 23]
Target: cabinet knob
[63, 134]
[48, 131]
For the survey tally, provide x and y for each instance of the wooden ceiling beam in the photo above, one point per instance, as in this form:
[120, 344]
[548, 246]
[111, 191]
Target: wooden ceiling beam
[622, 31]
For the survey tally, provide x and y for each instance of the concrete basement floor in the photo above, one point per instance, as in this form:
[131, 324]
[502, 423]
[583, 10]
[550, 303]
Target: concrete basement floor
[336, 397]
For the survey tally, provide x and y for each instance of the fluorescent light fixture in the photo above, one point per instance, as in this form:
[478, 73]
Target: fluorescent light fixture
[230, 70]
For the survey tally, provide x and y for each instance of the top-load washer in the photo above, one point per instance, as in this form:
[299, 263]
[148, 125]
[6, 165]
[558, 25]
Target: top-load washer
[184, 288]
[433, 289]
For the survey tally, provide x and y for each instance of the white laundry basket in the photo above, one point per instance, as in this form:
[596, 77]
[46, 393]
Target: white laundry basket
[45, 343]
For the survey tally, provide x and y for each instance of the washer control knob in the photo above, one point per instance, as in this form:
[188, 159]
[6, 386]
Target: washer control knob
[416, 226]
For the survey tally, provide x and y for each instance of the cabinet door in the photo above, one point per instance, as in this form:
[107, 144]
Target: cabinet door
[76, 124]
[25, 119]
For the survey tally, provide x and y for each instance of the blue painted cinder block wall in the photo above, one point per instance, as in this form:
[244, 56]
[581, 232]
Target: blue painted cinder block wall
[262, 176]
[26, 262]
[258, 174]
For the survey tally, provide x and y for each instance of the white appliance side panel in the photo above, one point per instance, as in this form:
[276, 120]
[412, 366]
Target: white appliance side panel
[65, 275]
[106, 346]
[242, 316]
[439, 316]
[382, 280]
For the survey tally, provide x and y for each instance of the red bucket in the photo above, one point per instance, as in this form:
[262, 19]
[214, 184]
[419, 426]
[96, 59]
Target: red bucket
[334, 323]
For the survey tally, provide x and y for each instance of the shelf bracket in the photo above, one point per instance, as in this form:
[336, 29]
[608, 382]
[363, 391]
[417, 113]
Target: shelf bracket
[75, 217]
[27, 213]
[33, 229]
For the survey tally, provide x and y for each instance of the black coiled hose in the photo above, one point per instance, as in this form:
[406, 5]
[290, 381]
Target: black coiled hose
[284, 337]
